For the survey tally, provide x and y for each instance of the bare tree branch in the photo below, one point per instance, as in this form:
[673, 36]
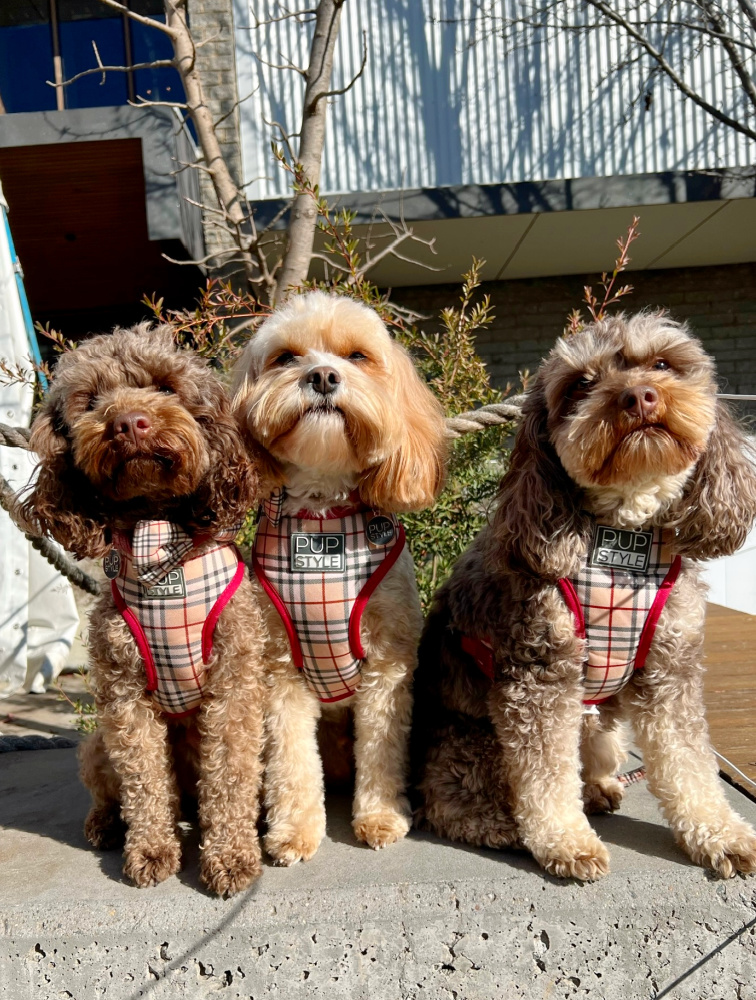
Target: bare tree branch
[141, 18]
[749, 9]
[304, 211]
[732, 53]
[234, 106]
[100, 68]
[612, 15]
[301, 16]
[141, 102]
[286, 65]
[355, 78]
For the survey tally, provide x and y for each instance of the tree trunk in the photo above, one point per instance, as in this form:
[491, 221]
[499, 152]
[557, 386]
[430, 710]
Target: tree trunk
[304, 212]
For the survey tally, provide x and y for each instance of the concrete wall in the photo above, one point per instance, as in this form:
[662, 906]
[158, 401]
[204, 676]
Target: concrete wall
[213, 20]
[718, 302]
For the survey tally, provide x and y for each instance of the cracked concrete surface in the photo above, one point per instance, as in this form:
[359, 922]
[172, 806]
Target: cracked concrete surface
[423, 920]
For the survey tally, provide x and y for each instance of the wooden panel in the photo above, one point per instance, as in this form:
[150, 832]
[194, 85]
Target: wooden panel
[730, 689]
[77, 213]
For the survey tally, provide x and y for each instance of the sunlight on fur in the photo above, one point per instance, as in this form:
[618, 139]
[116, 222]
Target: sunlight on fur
[379, 429]
[621, 429]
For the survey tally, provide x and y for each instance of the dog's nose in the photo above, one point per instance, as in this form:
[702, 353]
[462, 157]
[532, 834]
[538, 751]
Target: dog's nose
[639, 401]
[134, 426]
[323, 380]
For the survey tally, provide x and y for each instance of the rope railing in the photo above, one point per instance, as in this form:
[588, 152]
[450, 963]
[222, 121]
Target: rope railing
[18, 437]
[485, 416]
[14, 437]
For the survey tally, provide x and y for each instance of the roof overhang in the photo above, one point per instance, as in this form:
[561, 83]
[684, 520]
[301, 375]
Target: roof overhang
[528, 230]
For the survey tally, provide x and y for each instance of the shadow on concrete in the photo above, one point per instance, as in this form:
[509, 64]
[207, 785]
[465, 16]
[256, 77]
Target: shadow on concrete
[52, 803]
[651, 839]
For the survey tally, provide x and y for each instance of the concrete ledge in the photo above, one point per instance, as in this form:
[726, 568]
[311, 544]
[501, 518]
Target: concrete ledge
[424, 920]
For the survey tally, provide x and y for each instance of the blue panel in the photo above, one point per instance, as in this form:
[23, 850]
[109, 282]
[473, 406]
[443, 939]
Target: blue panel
[147, 44]
[26, 62]
[76, 48]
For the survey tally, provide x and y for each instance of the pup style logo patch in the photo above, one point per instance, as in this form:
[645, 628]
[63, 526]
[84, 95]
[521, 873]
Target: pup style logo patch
[173, 584]
[616, 548]
[318, 552]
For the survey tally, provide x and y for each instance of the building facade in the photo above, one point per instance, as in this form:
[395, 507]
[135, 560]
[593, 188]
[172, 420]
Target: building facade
[526, 147]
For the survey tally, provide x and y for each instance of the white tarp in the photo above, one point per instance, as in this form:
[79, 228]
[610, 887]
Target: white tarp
[38, 617]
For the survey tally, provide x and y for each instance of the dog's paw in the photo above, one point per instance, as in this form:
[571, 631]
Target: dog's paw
[727, 852]
[226, 871]
[602, 796]
[104, 828]
[151, 864]
[288, 846]
[380, 829]
[580, 856]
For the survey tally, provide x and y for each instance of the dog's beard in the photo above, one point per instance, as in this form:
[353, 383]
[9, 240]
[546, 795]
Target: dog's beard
[347, 435]
[648, 452]
[623, 451]
[170, 462]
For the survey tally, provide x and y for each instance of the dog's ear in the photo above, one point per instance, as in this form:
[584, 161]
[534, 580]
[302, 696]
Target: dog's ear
[537, 526]
[412, 475]
[231, 487]
[718, 506]
[60, 501]
[268, 469]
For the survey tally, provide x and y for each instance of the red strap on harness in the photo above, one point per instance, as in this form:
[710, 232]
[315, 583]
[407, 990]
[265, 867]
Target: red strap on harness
[481, 652]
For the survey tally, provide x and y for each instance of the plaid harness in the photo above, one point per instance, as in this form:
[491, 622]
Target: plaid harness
[171, 591]
[616, 599]
[320, 572]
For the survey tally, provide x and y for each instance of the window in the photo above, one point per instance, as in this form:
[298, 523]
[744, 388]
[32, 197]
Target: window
[43, 40]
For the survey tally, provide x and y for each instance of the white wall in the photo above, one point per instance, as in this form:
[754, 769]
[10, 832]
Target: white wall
[732, 579]
[446, 99]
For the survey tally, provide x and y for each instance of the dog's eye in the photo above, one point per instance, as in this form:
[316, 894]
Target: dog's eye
[357, 356]
[661, 365]
[91, 403]
[284, 359]
[581, 384]
[167, 390]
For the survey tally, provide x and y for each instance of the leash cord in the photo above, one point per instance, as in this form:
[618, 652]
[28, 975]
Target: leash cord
[736, 769]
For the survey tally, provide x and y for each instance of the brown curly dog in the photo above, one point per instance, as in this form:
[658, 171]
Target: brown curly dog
[625, 471]
[137, 433]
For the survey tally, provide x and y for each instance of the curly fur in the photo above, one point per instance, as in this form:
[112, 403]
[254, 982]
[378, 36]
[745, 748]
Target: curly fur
[382, 437]
[192, 468]
[515, 761]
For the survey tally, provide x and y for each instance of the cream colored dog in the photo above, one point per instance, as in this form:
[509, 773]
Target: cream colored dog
[352, 436]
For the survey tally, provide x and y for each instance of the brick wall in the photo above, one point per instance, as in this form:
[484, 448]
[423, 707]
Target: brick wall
[213, 20]
[718, 302]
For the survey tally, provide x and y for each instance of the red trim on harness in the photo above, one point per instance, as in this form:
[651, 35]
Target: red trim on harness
[139, 637]
[573, 604]
[340, 697]
[360, 602]
[355, 616]
[481, 652]
[654, 614]
[211, 621]
[571, 600]
[283, 611]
